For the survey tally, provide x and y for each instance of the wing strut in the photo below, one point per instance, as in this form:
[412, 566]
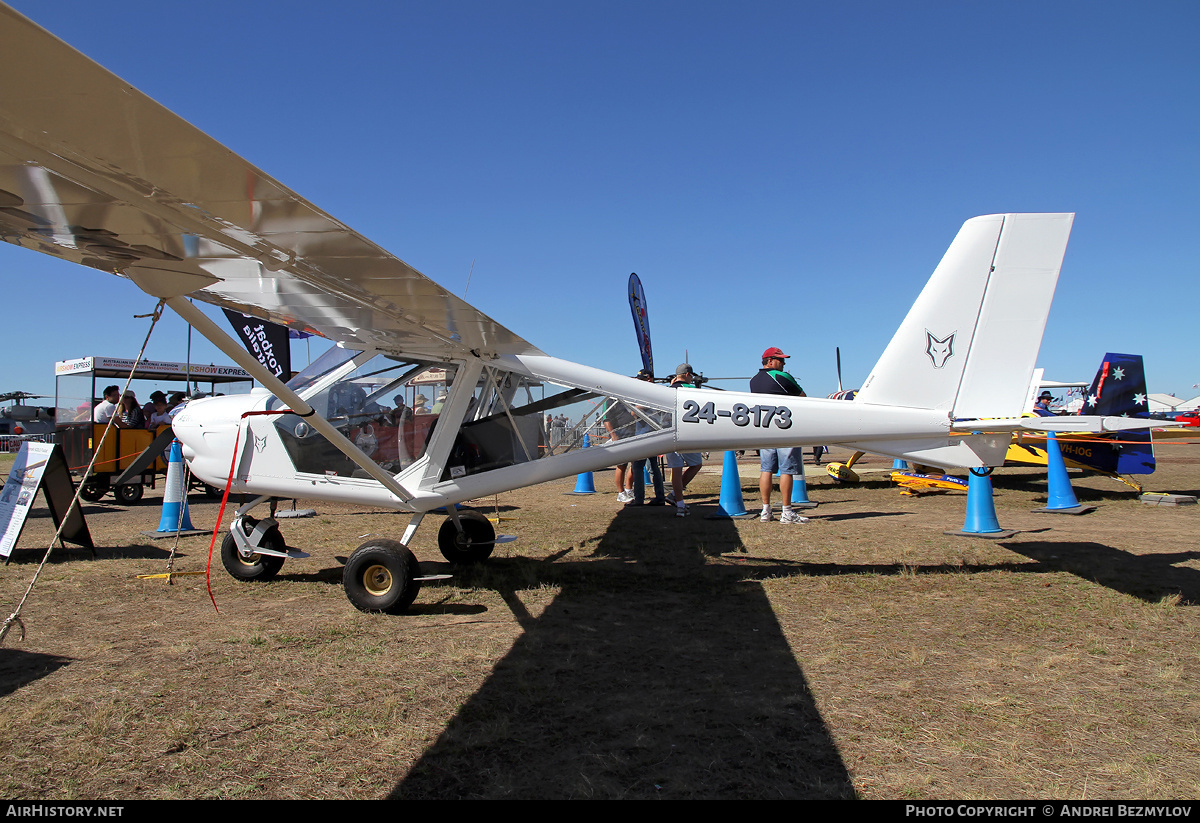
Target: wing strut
[243, 358]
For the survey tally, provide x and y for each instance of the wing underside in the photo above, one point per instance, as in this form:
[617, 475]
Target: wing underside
[94, 171]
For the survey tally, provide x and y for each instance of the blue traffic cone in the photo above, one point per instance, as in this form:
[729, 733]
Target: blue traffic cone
[584, 483]
[646, 480]
[900, 465]
[1061, 498]
[175, 496]
[800, 491]
[731, 503]
[981, 509]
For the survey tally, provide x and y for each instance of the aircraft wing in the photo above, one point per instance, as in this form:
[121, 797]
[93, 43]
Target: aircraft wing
[94, 171]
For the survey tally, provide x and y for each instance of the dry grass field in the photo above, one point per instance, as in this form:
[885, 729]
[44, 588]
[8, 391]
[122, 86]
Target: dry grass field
[628, 653]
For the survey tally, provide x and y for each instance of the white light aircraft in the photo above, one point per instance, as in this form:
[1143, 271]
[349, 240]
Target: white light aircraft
[93, 171]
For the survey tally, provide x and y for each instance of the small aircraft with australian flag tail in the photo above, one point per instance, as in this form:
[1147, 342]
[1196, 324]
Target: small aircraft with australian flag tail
[95, 172]
[1117, 390]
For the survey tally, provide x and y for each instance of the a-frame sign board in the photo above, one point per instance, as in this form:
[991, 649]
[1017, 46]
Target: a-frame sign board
[40, 466]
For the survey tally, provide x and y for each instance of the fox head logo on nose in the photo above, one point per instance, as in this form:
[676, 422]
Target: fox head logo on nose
[939, 349]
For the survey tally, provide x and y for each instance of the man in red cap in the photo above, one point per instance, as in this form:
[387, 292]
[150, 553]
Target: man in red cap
[772, 379]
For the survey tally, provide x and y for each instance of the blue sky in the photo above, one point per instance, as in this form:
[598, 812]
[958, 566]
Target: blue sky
[782, 174]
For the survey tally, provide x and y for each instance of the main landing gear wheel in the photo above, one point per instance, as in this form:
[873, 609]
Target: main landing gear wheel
[473, 544]
[252, 565]
[381, 577]
[129, 494]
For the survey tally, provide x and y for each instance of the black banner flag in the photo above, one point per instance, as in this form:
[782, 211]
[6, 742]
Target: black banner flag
[267, 341]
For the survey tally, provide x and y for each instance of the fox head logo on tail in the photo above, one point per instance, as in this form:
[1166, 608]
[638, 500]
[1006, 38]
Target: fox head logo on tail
[939, 349]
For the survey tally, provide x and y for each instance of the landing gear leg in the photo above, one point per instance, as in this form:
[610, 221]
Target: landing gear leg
[254, 549]
[411, 528]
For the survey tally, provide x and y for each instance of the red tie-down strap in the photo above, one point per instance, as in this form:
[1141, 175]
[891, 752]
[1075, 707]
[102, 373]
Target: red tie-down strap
[237, 440]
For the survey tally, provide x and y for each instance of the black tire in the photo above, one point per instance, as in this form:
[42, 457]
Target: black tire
[257, 567]
[212, 492]
[473, 545]
[93, 493]
[129, 494]
[381, 577]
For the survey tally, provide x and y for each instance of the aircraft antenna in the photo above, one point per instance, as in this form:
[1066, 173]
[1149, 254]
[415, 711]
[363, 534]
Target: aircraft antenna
[472, 271]
[838, 350]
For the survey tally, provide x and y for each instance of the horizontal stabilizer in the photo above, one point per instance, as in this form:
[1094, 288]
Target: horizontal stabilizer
[1068, 423]
[973, 451]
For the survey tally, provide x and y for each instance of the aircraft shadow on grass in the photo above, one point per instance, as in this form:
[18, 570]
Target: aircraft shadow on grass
[1038, 486]
[19, 668]
[1148, 577]
[632, 683]
[651, 674]
[834, 518]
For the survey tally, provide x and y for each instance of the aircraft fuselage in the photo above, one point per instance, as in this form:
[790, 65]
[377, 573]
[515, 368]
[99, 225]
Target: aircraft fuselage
[269, 461]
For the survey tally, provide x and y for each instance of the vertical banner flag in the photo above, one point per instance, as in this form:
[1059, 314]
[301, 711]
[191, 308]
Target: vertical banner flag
[267, 341]
[641, 321]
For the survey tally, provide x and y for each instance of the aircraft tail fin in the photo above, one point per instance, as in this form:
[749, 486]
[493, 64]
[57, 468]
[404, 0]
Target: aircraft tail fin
[1117, 390]
[970, 341]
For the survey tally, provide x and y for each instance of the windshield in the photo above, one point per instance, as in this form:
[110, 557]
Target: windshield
[320, 367]
[386, 406]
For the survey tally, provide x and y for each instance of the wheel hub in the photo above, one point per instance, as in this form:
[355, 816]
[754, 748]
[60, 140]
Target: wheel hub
[377, 580]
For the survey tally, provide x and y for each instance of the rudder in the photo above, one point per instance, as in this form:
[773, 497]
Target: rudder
[969, 343]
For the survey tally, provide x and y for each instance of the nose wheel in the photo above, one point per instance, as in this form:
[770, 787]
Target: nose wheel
[242, 559]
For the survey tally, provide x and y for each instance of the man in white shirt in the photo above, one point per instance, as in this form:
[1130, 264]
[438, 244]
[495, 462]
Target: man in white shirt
[105, 410]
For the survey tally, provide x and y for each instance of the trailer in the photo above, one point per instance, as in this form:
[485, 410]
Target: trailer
[77, 385]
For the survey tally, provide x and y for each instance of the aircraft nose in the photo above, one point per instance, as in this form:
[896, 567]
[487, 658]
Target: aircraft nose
[189, 454]
[207, 430]
[189, 433]
[197, 444]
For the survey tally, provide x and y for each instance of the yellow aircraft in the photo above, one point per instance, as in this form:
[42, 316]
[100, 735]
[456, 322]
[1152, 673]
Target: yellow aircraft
[913, 483]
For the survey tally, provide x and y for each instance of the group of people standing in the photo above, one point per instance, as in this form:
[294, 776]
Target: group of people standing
[631, 477]
[556, 429]
[684, 466]
[129, 414]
